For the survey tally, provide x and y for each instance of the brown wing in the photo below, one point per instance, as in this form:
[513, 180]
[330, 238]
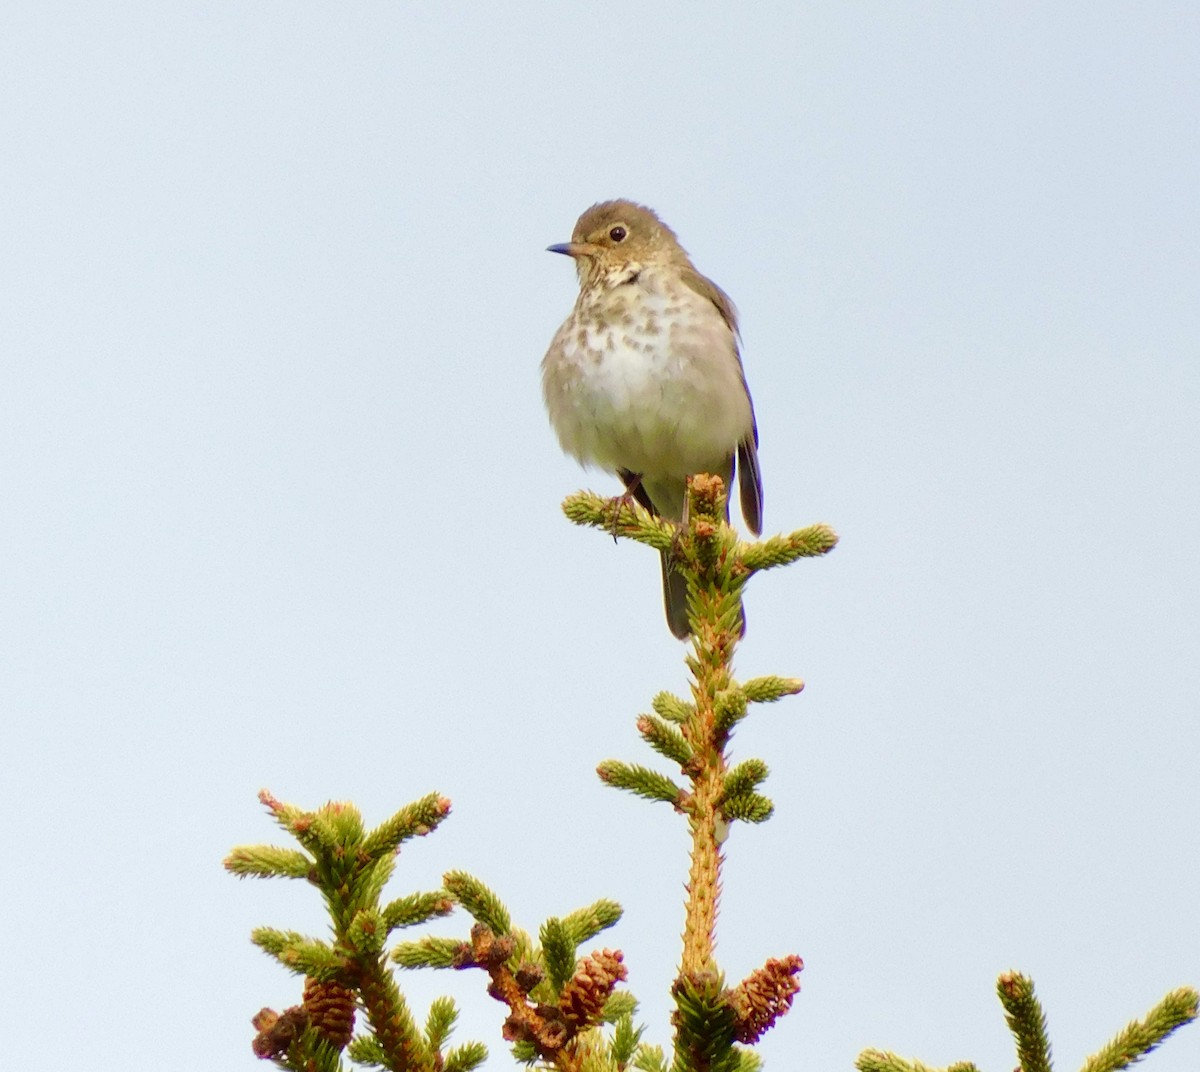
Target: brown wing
[749, 475]
[706, 288]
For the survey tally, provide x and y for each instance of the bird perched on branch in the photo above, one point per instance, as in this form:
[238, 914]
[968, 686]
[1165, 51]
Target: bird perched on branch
[644, 378]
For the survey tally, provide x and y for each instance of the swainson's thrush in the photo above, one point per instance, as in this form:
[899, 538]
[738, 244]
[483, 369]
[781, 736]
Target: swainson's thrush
[644, 378]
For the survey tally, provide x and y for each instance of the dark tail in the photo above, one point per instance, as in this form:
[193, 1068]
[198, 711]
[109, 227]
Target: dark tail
[675, 599]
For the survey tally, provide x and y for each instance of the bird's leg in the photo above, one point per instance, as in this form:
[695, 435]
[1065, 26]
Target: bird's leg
[633, 481]
[683, 521]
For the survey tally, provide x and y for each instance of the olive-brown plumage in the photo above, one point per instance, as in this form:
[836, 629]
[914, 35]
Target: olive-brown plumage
[644, 378]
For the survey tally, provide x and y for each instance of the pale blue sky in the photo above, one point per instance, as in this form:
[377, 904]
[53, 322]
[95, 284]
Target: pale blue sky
[274, 296]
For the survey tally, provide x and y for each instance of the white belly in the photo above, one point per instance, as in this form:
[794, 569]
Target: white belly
[658, 391]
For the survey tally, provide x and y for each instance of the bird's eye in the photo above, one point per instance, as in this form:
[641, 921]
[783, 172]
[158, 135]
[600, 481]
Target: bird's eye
[617, 234]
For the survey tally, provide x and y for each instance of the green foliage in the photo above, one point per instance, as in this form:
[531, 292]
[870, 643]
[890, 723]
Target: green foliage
[366, 1050]
[769, 689]
[443, 1014]
[558, 953]
[729, 708]
[624, 1043]
[428, 952]
[268, 861]
[465, 1057]
[349, 865]
[695, 736]
[632, 521]
[564, 1010]
[672, 708]
[748, 808]
[704, 1025]
[883, 1061]
[639, 780]
[366, 932]
[1137, 1039]
[478, 900]
[525, 1052]
[650, 1059]
[311, 1053]
[748, 1060]
[665, 739]
[744, 777]
[621, 1004]
[783, 550]
[585, 923]
[554, 997]
[298, 953]
[1027, 1022]
[413, 820]
[415, 908]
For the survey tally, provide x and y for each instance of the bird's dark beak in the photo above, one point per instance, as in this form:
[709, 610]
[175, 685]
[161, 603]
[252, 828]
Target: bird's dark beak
[571, 249]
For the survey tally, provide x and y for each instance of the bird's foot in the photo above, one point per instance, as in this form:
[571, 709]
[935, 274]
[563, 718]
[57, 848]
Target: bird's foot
[619, 503]
[626, 499]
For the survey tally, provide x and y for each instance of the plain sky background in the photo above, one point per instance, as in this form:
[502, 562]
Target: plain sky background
[280, 503]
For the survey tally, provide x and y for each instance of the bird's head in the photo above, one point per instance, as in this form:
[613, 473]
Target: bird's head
[614, 240]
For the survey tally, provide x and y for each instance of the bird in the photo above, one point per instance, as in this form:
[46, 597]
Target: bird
[645, 380]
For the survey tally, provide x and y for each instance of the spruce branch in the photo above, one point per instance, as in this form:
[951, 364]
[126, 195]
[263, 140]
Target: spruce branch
[390, 1019]
[415, 908]
[620, 1006]
[738, 797]
[564, 1009]
[558, 1033]
[268, 861]
[665, 739]
[430, 952]
[466, 1057]
[695, 736]
[366, 1050]
[556, 999]
[413, 820]
[585, 923]
[478, 900]
[784, 550]
[1137, 1039]
[771, 688]
[747, 808]
[443, 1014]
[630, 520]
[1026, 1021]
[642, 781]
[625, 1040]
[650, 1059]
[558, 953]
[672, 708]
[705, 1024]
[730, 706]
[884, 1061]
[299, 953]
[366, 932]
[744, 777]
[350, 866]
